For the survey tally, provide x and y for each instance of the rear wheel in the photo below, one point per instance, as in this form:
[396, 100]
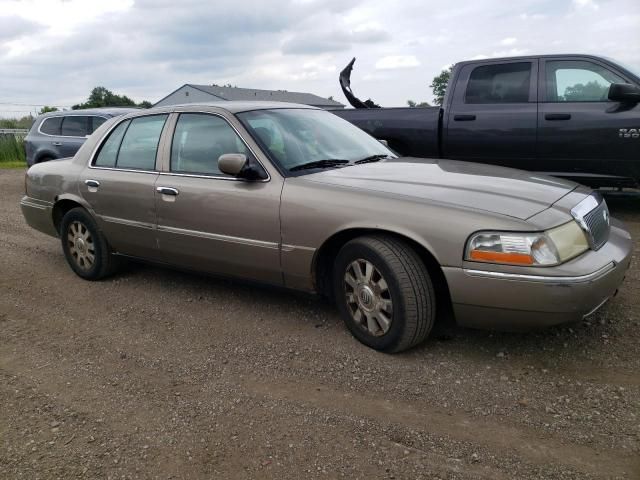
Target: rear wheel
[384, 293]
[85, 248]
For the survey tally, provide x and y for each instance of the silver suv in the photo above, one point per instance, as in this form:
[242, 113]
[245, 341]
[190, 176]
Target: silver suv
[61, 134]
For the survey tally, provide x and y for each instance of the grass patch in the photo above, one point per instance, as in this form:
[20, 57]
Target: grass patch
[12, 164]
[11, 150]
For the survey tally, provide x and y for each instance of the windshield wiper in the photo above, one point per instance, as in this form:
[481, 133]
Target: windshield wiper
[326, 163]
[372, 158]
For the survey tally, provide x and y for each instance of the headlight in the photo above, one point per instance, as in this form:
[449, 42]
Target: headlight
[533, 249]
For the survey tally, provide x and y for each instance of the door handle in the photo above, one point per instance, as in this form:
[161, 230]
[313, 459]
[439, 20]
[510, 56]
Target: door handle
[464, 118]
[557, 116]
[57, 144]
[167, 191]
[92, 184]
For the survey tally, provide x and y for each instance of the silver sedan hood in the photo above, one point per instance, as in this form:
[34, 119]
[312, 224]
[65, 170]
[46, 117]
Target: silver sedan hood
[505, 191]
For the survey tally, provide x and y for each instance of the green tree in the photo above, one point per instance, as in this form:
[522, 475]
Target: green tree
[145, 104]
[47, 109]
[413, 104]
[102, 97]
[585, 92]
[439, 85]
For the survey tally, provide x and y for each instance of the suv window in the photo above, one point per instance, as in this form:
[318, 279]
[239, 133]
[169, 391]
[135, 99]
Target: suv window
[578, 81]
[140, 143]
[51, 126]
[75, 126]
[199, 140]
[501, 83]
[109, 150]
[96, 122]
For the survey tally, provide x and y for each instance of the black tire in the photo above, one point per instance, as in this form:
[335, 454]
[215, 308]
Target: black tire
[409, 288]
[104, 263]
[46, 158]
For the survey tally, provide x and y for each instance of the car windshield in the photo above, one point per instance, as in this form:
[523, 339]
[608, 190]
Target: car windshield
[305, 140]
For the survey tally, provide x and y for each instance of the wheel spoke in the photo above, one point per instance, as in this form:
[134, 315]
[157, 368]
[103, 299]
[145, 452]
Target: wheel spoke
[90, 258]
[357, 316]
[372, 325]
[385, 305]
[352, 282]
[382, 285]
[383, 322]
[368, 271]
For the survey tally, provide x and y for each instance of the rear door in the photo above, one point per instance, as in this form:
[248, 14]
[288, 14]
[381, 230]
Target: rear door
[74, 131]
[578, 127]
[493, 114]
[119, 184]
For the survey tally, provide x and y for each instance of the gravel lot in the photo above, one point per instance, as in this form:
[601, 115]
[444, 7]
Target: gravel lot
[161, 374]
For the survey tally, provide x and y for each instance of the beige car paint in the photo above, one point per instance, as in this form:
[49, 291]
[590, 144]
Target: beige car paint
[272, 230]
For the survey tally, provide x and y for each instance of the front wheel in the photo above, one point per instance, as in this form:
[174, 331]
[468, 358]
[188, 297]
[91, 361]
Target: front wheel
[85, 248]
[384, 293]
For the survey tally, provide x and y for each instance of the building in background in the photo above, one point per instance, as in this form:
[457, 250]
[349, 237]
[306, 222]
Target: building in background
[190, 93]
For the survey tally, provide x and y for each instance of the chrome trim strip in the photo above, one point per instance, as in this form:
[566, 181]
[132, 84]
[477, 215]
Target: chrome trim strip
[70, 115]
[600, 305]
[541, 278]
[27, 203]
[291, 248]
[129, 223]
[222, 238]
[214, 177]
[124, 170]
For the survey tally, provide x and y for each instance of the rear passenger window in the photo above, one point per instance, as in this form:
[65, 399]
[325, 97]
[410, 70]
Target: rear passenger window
[75, 126]
[51, 126]
[199, 140]
[109, 151]
[140, 143]
[502, 83]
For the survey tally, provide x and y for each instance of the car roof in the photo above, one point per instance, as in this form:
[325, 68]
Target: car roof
[109, 111]
[232, 106]
[532, 57]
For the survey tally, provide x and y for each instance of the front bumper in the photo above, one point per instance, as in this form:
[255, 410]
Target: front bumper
[508, 300]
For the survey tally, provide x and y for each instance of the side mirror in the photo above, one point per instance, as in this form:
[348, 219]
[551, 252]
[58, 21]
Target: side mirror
[624, 92]
[232, 163]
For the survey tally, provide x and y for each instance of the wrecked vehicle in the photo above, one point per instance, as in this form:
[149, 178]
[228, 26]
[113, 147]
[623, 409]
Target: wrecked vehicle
[570, 116]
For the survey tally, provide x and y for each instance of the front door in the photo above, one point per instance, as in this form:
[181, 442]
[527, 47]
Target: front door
[210, 221]
[120, 185]
[579, 128]
[492, 117]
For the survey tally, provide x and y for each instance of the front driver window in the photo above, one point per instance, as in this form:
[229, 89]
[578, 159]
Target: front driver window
[198, 142]
[578, 81]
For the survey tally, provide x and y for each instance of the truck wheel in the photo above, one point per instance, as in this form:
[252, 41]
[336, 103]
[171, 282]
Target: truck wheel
[84, 246]
[384, 293]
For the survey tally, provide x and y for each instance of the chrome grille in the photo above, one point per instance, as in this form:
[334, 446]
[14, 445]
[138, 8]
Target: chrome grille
[593, 216]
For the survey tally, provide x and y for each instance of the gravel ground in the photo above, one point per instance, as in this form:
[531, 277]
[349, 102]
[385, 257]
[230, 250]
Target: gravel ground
[161, 374]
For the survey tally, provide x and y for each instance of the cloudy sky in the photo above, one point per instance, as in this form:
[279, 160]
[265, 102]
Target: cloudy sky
[53, 52]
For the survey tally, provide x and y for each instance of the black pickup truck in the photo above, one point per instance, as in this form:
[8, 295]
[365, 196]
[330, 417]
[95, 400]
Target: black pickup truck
[572, 116]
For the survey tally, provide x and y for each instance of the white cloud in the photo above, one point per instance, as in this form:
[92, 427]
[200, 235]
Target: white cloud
[508, 41]
[397, 61]
[586, 4]
[54, 52]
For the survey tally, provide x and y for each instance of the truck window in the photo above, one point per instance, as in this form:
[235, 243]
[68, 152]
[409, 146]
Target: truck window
[501, 83]
[578, 81]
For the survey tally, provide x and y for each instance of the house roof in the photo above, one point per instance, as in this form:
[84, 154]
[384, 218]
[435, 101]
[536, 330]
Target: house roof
[248, 94]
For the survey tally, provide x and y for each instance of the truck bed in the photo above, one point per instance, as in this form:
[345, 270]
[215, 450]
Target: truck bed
[409, 131]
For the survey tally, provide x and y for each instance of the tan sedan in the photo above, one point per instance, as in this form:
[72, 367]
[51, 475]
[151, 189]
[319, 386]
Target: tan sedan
[294, 196]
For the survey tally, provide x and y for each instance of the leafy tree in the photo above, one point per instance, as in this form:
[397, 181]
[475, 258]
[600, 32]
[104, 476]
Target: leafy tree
[439, 85]
[102, 97]
[145, 104]
[413, 104]
[589, 92]
[47, 109]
